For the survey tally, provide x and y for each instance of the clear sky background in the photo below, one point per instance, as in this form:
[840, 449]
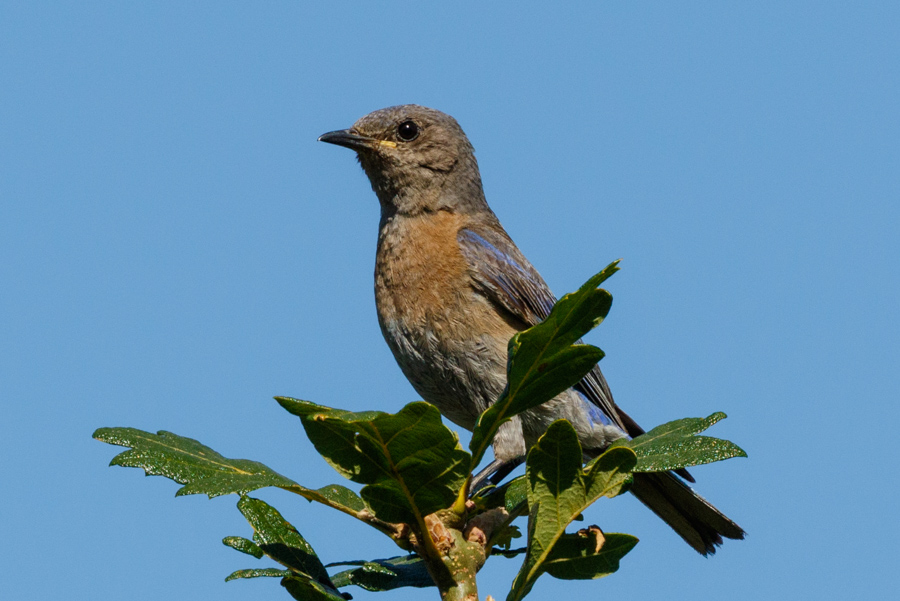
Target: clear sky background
[176, 248]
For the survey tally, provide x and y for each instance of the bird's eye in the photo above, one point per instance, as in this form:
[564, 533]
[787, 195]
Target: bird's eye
[408, 131]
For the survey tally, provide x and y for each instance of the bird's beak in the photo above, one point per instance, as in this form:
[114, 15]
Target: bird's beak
[348, 138]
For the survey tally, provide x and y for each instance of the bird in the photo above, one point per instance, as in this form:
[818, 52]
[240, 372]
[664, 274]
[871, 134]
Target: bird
[452, 288]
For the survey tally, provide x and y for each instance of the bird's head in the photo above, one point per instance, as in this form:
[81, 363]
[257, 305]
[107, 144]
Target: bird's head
[417, 159]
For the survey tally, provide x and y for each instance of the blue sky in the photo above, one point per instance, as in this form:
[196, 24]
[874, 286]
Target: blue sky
[177, 249]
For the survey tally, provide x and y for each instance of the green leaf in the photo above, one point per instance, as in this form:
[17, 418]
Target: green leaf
[516, 494]
[189, 462]
[412, 465]
[545, 359]
[341, 496]
[674, 445]
[583, 556]
[304, 589]
[278, 539]
[258, 573]
[560, 489]
[305, 577]
[511, 495]
[243, 545]
[504, 538]
[204, 471]
[386, 574]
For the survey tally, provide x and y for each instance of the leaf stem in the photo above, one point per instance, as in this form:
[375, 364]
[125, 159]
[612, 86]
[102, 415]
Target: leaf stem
[397, 532]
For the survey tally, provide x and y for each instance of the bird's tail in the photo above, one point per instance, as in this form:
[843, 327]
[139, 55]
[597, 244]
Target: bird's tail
[701, 525]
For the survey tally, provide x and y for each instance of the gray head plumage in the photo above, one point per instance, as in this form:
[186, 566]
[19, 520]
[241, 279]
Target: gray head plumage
[417, 159]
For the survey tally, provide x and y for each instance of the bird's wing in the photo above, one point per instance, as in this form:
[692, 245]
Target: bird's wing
[502, 274]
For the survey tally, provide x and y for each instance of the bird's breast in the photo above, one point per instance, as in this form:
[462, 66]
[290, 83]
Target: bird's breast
[420, 273]
[449, 340]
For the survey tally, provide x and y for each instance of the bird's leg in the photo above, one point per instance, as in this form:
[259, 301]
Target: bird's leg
[495, 472]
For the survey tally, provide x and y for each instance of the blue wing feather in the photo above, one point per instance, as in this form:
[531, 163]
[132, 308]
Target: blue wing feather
[505, 276]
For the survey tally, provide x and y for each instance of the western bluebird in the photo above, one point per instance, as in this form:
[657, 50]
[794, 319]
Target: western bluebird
[451, 289]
